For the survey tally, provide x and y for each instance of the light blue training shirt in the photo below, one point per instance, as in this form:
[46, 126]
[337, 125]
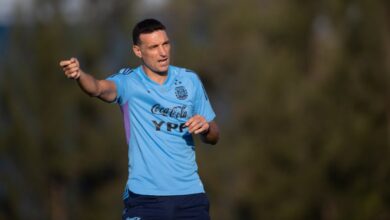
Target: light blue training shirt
[161, 150]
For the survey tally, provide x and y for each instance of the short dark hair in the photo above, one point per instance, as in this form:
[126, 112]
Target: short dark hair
[146, 26]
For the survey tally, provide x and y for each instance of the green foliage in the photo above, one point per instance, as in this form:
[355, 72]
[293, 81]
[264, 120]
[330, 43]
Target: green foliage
[300, 88]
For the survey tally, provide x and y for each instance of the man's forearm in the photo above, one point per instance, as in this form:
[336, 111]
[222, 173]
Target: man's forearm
[104, 89]
[88, 84]
[212, 135]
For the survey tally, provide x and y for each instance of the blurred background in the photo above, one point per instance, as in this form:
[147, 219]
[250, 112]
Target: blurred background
[301, 89]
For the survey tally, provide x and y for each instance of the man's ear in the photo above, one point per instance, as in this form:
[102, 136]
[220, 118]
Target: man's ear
[137, 51]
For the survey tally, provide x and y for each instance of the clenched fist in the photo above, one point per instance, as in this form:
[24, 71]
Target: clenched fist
[197, 124]
[71, 68]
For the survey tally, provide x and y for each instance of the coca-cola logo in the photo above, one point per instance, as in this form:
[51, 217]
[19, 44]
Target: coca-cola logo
[173, 112]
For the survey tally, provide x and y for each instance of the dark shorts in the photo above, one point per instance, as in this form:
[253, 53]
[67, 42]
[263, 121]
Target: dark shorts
[145, 207]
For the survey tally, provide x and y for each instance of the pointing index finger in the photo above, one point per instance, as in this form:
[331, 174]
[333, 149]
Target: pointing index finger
[65, 62]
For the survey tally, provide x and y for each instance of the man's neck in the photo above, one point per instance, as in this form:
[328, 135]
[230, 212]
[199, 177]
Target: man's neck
[158, 78]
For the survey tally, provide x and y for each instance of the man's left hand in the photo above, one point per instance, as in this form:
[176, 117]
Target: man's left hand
[197, 125]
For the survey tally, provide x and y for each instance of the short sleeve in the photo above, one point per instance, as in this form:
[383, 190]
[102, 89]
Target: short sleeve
[120, 83]
[202, 104]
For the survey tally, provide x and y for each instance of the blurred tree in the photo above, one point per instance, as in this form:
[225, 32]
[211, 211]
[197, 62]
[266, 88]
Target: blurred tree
[54, 136]
[302, 88]
[301, 91]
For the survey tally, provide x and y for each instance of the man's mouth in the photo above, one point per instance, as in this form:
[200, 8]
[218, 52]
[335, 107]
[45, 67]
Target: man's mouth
[163, 60]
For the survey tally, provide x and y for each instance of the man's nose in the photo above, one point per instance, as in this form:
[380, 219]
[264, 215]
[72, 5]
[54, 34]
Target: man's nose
[162, 51]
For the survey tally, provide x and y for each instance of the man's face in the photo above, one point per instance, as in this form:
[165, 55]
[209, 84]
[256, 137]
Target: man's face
[154, 50]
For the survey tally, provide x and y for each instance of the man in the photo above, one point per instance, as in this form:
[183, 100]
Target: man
[163, 106]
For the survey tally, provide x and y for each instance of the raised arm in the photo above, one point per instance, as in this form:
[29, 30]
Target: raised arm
[103, 89]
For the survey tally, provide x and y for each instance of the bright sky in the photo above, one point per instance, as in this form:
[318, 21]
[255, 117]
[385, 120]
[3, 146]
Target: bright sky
[73, 7]
[7, 8]
[154, 3]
